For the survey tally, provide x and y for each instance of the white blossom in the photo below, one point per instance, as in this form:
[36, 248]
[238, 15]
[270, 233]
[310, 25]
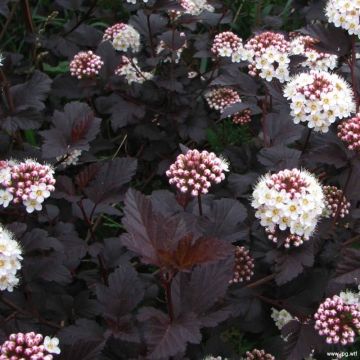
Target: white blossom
[51, 345]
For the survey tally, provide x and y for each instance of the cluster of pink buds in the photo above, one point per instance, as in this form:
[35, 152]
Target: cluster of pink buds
[268, 54]
[336, 203]
[221, 98]
[195, 172]
[244, 265]
[228, 44]
[258, 355]
[338, 321]
[29, 346]
[85, 64]
[28, 182]
[289, 240]
[349, 132]
[242, 118]
[123, 37]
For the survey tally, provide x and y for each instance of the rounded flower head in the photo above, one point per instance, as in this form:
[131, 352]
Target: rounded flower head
[338, 321]
[304, 45]
[30, 184]
[336, 203]
[85, 64]
[281, 318]
[221, 98]
[268, 54]
[131, 71]
[123, 37]
[29, 346]
[196, 7]
[244, 265]
[344, 14]
[228, 44]
[258, 355]
[319, 98]
[242, 117]
[10, 257]
[349, 132]
[289, 205]
[194, 172]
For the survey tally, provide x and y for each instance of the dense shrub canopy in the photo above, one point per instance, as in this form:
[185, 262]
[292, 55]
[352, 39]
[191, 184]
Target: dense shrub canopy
[179, 179]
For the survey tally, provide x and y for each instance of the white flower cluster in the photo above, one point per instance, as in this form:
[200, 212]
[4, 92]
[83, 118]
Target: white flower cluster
[281, 318]
[344, 14]
[196, 7]
[269, 56]
[71, 158]
[319, 98]
[315, 59]
[126, 39]
[130, 69]
[10, 257]
[1, 59]
[350, 297]
[289, 203]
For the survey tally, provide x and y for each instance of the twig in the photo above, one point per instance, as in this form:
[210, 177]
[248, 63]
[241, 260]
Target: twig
[167, 278]
[261, 281]
[7, 92]
[152, 45]
[28, 17]
[350, 241]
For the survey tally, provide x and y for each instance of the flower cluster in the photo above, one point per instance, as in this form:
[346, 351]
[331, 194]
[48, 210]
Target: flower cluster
[289, 203]
[195, 172]
[134, 1]
[177, 54]
[29, 346]
[319, 98]
[196, 7]
[258, 355]
[338, 321]
[336, 203]
[242, 117]
[130, 69]
[349, 132]
[71, 158]
[123, 37]
[210, 357]
[228, 44]
[315, 59]
[1, 59]
[85, 64]
[281, 318]
[344, 14]
[350, 297]
[10, 257]
[244, 265]
[268, 54]
[221, 98]
[28, 182]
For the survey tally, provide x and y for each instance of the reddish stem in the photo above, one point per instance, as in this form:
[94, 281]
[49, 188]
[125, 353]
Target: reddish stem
[167, 278]
[261, 281]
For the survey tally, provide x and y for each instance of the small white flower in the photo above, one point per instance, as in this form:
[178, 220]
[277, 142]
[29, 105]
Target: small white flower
[1, 59]
[32, 205]
[5, 198]
[51, 345]
[39, 193]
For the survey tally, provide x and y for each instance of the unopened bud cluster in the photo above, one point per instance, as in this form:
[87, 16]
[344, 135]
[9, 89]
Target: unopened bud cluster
[336, 204]
[123, 37]
[268, 54]
[349, 132]
[131, 71]
[85, 64]
[304, 45]
[10, 258]
[28, 183]
[242, 117]
[258, 355]
[195, 172]
[29, 346]
[221, 98]
[319, 98]
[289, 204]
[228, 44]
[344, 14]
[244, 265]
[338, 321]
